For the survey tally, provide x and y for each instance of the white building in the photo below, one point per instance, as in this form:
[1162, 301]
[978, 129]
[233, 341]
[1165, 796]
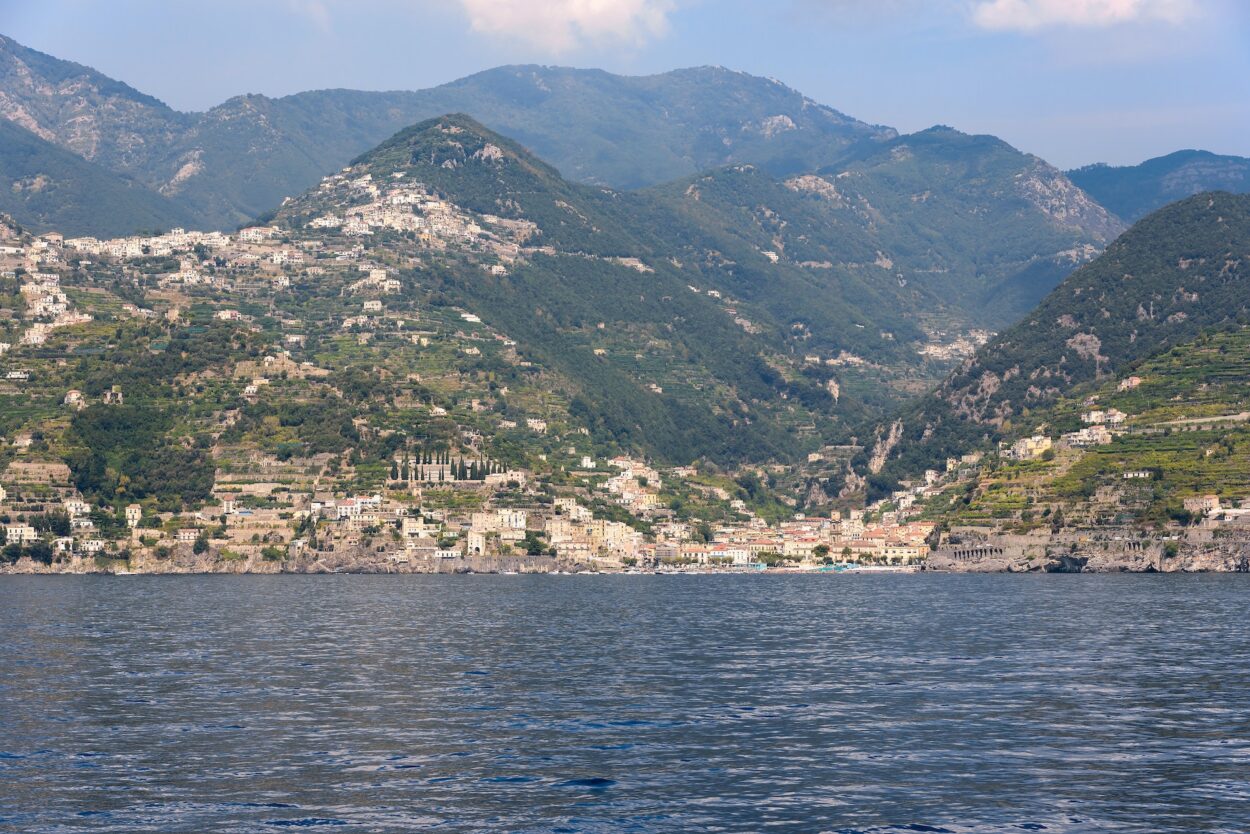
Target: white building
[20, 534]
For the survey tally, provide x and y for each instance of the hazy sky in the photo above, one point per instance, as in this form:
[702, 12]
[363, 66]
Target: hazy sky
[1074, 81]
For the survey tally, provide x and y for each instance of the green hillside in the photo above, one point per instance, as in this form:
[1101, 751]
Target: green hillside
[928, 197]
[730, 365]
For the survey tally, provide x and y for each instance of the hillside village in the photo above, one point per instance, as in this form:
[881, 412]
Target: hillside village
[450, 506]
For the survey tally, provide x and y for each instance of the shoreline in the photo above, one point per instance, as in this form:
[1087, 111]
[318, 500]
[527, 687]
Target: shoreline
[909, 569]
[895, 571]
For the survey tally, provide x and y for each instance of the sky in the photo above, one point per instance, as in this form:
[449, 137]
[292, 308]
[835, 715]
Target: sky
[1073, 81]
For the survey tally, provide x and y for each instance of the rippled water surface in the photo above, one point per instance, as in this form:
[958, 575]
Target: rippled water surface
[622, 704]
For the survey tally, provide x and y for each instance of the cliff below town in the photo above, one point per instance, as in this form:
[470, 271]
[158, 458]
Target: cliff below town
[183, 560]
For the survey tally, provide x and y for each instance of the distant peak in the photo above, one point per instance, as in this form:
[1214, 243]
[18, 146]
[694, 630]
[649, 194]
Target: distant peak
[1175, 157]
[456, 123]
[452, 138]
[947, 135]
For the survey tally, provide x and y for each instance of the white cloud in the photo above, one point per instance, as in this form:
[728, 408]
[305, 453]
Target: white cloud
[1030, 15]
[315, 10]
[562, 25]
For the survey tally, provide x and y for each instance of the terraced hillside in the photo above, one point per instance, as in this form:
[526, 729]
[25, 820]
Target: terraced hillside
[158, 381]
[1185, 433]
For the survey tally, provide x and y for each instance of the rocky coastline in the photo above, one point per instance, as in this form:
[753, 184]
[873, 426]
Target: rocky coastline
[1202, 549]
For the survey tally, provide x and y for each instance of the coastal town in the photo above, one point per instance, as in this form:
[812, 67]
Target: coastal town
[270, 526]
[459, 455]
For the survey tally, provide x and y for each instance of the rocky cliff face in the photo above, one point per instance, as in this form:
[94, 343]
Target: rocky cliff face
[355, 560]
[1057, 197]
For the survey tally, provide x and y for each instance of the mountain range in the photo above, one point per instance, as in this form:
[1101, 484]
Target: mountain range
[222, 167]
[242, 157]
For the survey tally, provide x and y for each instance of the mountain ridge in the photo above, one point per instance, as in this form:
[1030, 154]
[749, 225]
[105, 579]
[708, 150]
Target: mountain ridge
[1132, 191]
[240, 158]
[913, 211]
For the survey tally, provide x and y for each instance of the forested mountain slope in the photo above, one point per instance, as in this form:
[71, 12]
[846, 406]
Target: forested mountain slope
[678, 339]
[1176, 273]
[49, 187]
[967, 227]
